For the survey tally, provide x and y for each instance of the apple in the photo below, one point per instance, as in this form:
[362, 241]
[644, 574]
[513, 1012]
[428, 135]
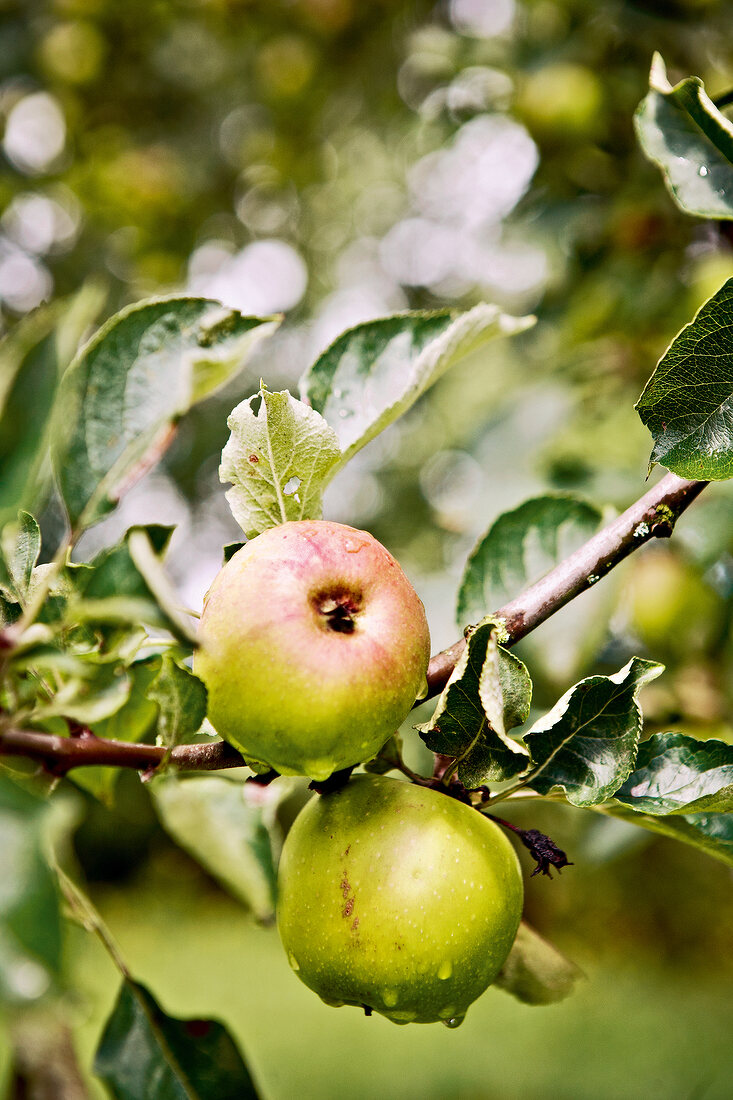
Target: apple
[672, 609]
[313, 647]
[397, 898]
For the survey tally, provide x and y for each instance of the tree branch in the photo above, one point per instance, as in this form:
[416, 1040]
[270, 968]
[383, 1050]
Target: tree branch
[60, 754]
[652, 516]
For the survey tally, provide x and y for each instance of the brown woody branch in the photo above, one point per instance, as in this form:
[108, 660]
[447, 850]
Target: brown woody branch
[60, 754]
[652, 516]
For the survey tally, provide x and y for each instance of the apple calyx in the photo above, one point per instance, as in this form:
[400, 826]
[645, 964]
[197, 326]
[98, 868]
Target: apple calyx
[542, 848]
[339, 611]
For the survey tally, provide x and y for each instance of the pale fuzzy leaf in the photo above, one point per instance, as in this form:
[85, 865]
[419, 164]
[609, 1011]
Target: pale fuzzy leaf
[687, 404]
[681, 130]
[586, 745]
[676, 774]
[535, 972]
[278, 459]
[374, 373]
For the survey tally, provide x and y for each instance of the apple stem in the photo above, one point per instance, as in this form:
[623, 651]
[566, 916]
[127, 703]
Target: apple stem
[334, 782]
[263, 779]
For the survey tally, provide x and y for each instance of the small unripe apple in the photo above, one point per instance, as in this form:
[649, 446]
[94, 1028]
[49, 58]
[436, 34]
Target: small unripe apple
[673, 610]
[397, 898]
[313, 647]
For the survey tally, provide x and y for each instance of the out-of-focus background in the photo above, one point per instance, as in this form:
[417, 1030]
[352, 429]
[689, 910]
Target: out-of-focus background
[340, 161]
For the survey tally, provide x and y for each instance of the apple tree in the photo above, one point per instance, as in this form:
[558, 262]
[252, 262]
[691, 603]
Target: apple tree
[103, 669]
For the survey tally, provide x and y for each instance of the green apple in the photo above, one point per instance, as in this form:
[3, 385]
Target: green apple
[670, 606]
[397, 898]
[313, 647]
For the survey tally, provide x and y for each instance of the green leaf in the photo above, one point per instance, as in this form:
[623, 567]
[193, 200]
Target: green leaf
[181, 699]
[92, 698]
[459, 727]
[587, 743]
[126, 584]
[9, 608]
[535, 972]
[122, 396]
[676, 774]
[687, 402]
[708, 832]
[374, 373]
[229, 827]
[30, 924]
[278, 459]
[113, 571]
[132, 722]
[681, 130]
[505, 690]
[32, 358]
[168, 604]
[519, 548]
[20, 545]
[144, 1052]
[231, 549]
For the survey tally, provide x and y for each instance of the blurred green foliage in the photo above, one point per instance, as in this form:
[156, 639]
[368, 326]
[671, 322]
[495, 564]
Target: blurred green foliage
[150, 145]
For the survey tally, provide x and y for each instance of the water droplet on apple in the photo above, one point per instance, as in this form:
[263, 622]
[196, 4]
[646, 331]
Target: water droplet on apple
[445, 969]
[455, 1021]
[293, 961]
[390, 997]
[402, 1017]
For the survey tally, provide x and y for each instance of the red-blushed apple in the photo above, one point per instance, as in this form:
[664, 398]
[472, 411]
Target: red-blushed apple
[313, 647]
[397, 898]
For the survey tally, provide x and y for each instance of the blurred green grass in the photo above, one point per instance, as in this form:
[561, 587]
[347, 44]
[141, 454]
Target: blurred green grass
[632, 1030]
